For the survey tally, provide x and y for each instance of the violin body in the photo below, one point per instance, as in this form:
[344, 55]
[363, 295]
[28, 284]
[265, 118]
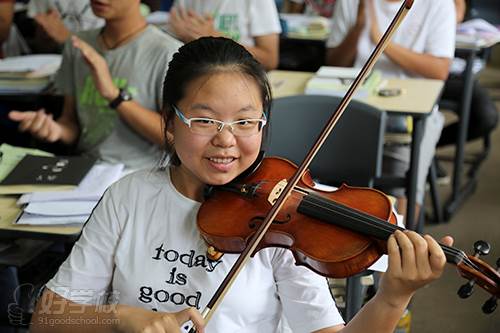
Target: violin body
[228, 220]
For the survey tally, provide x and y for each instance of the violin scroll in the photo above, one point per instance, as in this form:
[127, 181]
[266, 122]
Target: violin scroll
[480, 273]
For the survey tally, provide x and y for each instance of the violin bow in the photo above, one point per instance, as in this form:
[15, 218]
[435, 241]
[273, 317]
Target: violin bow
[285, 193]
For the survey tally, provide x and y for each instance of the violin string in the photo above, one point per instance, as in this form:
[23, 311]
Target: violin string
[373, 222]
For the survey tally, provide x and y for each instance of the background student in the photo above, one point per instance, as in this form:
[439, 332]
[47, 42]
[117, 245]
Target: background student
[254, 24]
[423, 46]
[111, 79]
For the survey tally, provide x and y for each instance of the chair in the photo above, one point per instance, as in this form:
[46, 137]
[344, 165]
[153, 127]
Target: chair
[352, 154]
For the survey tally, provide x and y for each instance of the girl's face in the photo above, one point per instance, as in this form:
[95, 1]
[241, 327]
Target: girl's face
[219, 158]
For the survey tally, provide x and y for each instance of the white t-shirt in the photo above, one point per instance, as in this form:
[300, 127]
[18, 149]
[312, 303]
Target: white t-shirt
[76, 14]
[428, 28]
[241, 20]
[142, 244]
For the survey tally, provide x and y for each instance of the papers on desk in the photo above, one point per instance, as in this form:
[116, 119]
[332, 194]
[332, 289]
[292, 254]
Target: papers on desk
[28, 74]
[69, 207]
[477, 33]
[335, 81]
[306, 27]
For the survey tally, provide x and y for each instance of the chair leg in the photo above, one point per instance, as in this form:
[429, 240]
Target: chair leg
[354, 296]
[436, 200]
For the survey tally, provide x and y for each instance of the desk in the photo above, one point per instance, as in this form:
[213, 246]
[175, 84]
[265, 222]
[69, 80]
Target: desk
[9, 212]
[417, 100]
[461, 192]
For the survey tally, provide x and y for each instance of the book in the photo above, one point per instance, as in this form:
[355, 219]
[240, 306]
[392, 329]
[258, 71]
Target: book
[46, 173]
[335, 81]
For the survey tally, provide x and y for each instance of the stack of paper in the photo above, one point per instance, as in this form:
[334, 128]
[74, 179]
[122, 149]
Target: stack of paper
[28, 74]
[69, 207]
[477, 33]
[335, 81]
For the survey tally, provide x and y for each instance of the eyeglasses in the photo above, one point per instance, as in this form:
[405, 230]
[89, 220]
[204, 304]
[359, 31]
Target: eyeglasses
[209, 127]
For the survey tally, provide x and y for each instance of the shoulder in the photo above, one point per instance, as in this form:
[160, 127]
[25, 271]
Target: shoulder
[137, 184]
[161, 39]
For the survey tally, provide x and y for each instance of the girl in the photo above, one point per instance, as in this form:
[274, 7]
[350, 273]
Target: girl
[141, 254]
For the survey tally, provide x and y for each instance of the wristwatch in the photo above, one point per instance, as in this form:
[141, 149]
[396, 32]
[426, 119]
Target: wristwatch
[123, 96]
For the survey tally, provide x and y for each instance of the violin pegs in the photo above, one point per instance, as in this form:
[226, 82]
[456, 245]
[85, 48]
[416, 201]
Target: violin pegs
[481, 248]
[466, 290]
[490, 305]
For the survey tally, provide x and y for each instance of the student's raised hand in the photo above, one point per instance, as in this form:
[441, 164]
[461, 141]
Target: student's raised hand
[135, 320]
[53, 25]
[414, 261]
[40, 124]
[187, 25]
[361, 16]
[375, 33]
[98, 68]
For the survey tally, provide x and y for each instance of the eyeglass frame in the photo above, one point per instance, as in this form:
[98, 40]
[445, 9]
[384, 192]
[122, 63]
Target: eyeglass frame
[221, 124]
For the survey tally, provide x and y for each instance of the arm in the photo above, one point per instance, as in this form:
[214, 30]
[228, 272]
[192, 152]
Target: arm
[266, 50]
[42, 126]
[422, 64]
[147, 123]
[52, 308]
[6, 17]
[460, 8]
[53, 26]
[188, 26]
[345, 53]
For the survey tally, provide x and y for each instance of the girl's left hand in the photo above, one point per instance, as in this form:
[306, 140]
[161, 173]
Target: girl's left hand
[414, 261]
[98, 68]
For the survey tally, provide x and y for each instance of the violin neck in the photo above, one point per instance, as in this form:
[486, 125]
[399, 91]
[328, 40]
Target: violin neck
[346, 217]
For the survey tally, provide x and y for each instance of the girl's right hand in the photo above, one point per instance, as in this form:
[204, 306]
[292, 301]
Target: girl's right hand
[137, 320]
[40, 124]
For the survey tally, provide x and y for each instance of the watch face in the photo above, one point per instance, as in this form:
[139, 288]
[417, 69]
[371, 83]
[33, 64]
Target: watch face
[126, 96]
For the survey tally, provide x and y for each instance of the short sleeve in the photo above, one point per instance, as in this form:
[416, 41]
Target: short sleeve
[64, 79]
[441, 40]
[305, 296]
[85, 277]
[264, 18]
[37, 7]
[343, 19]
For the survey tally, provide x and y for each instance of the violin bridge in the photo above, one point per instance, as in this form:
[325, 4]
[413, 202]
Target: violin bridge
[276, 191]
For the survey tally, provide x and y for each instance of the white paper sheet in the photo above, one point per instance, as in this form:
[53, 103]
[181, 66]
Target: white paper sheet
[61, 208]
[33, 219]
[91, 188]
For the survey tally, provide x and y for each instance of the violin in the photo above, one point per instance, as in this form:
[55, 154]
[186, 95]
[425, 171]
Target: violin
[357, 220]
[283, 208]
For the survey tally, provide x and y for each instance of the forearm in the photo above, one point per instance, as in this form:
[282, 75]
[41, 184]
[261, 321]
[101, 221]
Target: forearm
[147, 123]
[6, 16]
[377, 316]
[266, 50]
[345, 53]
[70, 131]
[421, 64]
[268, 59]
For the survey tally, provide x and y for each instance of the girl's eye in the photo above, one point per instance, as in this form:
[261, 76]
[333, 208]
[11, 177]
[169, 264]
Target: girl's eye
[204, 122]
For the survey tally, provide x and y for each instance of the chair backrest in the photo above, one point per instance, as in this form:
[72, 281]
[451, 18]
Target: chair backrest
[353, 152]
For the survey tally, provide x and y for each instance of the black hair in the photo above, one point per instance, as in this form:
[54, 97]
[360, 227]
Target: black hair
[204, 56]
